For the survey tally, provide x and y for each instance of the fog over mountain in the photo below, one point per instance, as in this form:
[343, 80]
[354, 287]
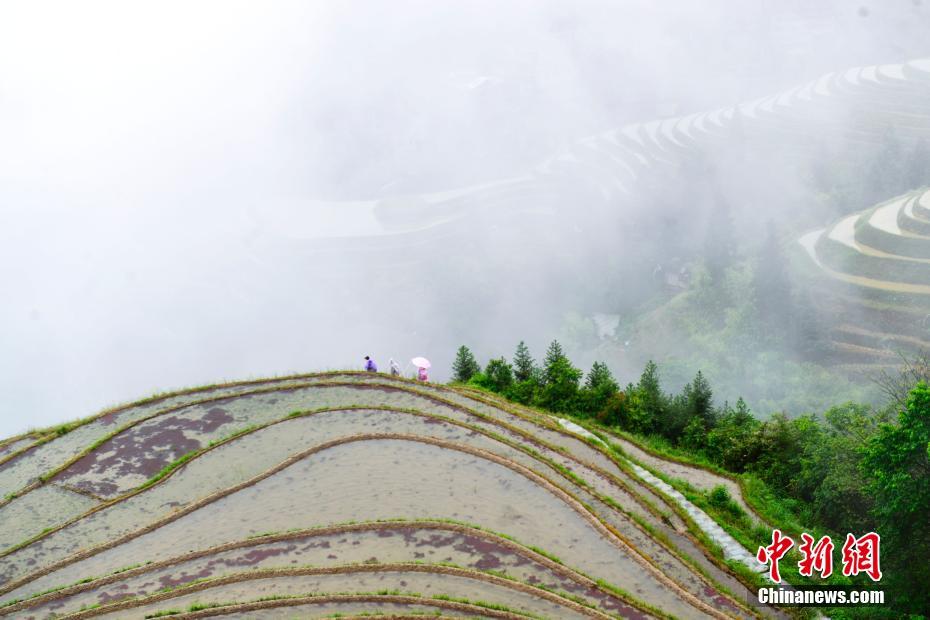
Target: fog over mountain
[192, 192]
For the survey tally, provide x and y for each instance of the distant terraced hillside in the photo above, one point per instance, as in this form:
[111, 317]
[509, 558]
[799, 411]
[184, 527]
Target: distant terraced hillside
[858, 104]
[876, 279]
[344, 493]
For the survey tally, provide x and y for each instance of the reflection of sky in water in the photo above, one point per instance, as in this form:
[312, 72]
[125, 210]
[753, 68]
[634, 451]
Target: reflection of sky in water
[360, 480]
[391, 543]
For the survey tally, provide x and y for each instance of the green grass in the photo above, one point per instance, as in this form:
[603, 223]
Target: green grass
[170, 467]
[718, 504]
[484, 604]
[163, 613]
[233, 435]
[767, 506]
[547, 554]
[621, 459]
[719, 498]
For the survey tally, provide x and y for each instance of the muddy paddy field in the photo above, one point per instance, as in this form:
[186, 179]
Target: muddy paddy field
[343, 493]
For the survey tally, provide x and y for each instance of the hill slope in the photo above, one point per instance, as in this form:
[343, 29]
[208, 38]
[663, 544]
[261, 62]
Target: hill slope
[342, 493]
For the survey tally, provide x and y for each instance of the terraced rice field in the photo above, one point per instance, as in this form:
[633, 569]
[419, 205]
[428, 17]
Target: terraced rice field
[617, 163]
[614, 162]
[882, 256]
[344, 493]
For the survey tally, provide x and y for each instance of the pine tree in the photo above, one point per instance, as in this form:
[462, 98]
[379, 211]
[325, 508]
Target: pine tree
[465, 365]
[648, 386]
[524, 365]
[600, 378]
[560, 392]
[599, 387]
[700, 400]
[650, 403]
[742, 416]
[554, 358]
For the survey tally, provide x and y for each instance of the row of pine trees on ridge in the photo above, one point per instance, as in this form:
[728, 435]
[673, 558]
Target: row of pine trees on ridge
[558, 386]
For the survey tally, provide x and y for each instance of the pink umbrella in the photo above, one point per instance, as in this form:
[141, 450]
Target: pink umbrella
[420, 362]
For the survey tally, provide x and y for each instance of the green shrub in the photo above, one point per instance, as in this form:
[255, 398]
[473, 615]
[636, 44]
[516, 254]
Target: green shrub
[499, 375]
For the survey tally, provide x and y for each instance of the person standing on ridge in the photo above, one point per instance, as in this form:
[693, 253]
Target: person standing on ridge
[370, 365]
[423, 366]
[395, 369]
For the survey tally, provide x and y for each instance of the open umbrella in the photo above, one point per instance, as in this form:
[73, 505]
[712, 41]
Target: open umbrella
[420, 362]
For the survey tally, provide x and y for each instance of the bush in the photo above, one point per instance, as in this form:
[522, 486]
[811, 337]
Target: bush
[694, 436]
[481, 380]
[499, 375]
[616, 411]
[719, 497]
[524, 392]
[560, 391]
[729, 443]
